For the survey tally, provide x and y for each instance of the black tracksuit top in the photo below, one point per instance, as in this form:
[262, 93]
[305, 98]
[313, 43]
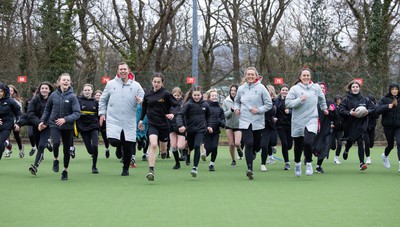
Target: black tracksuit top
[156, 105]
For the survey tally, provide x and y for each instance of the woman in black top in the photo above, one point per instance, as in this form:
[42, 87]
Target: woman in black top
[388, 106]
[35, 112]
[97, 95]
[177, 139]
[88, 124]
[62, 109]
[283, 124]
[194, 120]
[9, 111]
[355, 129]
[157, 104]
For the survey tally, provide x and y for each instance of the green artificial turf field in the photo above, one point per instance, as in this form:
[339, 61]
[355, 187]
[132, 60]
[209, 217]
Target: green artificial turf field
[342, 196]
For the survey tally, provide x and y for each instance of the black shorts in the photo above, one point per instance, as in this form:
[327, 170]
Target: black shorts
[161, 132]
[176, 130]
[233, 129]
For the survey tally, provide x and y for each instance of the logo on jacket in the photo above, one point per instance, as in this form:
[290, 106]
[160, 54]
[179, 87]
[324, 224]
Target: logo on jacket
[203, 108]
[67, 101]
[161, 100]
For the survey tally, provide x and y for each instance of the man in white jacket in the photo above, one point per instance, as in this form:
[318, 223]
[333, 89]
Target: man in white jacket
[118, 105]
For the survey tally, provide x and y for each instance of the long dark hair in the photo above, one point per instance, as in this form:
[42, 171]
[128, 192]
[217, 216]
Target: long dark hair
[305, 68]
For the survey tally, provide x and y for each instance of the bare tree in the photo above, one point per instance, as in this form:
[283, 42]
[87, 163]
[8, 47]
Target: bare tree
[138, 27]
[261, 20]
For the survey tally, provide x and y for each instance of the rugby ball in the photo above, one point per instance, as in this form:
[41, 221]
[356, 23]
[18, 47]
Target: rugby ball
[361, 111]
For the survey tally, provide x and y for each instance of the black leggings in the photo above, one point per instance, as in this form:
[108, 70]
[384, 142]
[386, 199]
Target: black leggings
[17, 139]
[31, 136]
[360, 144]
[41, 138]
[252, 143]
[4, 134]
[128, 148]
[91, 141]
[104, 136]
[194, 142]
[391, 134]
[266, 137]
[286, 142]
[66, 135]
[338, 141]
[304, 143]
[211, 144]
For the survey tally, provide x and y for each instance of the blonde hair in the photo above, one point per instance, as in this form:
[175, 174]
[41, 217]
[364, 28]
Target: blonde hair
[88, 85]
[98, 91]
[16, 93]
[271, 90]
[209, 92]
[176, 90]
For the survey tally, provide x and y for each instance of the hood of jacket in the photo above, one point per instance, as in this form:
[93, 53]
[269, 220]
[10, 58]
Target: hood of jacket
[6, 90]
[392, 85]
[211, 103]
[69, 91]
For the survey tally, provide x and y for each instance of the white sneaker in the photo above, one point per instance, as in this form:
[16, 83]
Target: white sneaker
[297, 169]
[368, 162]
[194, 172]
[336, 160]
[385, 160]
[271, 160]
[309, 169]
[263, 168]
[8, 153]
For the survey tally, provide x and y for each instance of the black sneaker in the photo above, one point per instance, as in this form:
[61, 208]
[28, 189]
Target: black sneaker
[64, 175]
[32, 152]
[345, 155]
[33, 169]
[107, 153]
[177, 166]
[163, 155]
[95, 170]
[182, 157]
[233, 164]
[211, 168]
[56, 166]
[72, 152]
[150, 176]
[168, 155]
[249, 174]
[125, 172]
[240, 152]
[144, 158]
[319, 170]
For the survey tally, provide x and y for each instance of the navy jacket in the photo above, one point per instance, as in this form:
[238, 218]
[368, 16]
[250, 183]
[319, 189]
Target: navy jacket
[61, 105]
[217, 117]
[196, 115]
